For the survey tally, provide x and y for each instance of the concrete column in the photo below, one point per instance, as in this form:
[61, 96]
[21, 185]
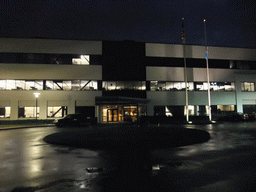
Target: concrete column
[42, 109]
[239, 107]
[14, 110]
[72, 107]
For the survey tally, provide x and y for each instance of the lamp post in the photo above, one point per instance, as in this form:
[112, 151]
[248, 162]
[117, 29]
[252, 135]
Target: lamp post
[36, 95]
[207, 72]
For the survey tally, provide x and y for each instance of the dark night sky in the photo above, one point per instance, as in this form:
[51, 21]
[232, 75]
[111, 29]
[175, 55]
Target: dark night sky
[229, 22]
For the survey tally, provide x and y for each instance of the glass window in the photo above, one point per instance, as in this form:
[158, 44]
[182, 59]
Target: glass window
[161, 86]
[119, 85]
[83, 60]
[10, 84]
[153, 85]
[2, 84]
[89, 85]
[111, 85]
[5, 112]
[20, 84]
[57, 85]
[56, 111]
[75, 85]
[169, 86]
[39, 85]
[143, 85]
[30, 112]
[247, 86]
[49, 85]
[30, 85]
[177, 86]
[129, 84]
[66, 85]
[190, 86]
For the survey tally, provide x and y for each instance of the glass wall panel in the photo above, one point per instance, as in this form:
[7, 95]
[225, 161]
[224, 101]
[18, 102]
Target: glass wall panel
[30, 85]
[5, 112]
[190, 86]
[49, 85]
[83, 60]
[55, 111]
[177, 86]
[153, 85]
[89, 85]
[10, 85]
[66, 85]
[20, 84]
[129, 85]
[247, 86]
[2, 84]
[39, 85]
[30, 112]
[119, 85]
[58, 85]
[76, 85]
[169, 86]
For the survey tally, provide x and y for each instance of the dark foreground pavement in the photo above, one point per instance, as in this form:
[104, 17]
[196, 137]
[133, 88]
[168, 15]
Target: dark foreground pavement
[130, 147]
[226, 162]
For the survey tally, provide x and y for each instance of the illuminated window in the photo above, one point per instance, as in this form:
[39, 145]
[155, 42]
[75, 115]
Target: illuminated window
[2, 84]
[88, 85]
[66, 85]
[28, 112]
[170, 86]
[121, 85]
[5, 112]
[222, 86]
[56, 111]
[83, 60]
[10, 85]
[247, 86]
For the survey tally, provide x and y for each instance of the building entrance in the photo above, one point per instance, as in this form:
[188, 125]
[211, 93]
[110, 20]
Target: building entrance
[112, 115]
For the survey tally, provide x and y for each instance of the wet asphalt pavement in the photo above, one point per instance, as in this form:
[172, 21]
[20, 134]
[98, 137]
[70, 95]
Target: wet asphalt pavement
[225, 163]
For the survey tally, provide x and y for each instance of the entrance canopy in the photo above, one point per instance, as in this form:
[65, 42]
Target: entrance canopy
[119, 100]
[120, 109]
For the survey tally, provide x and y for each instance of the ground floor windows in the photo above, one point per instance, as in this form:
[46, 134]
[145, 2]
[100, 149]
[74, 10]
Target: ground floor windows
[249, 109]
[122, 113]
[5, 112]
[57, 111]
[194, 110]
[28, 112]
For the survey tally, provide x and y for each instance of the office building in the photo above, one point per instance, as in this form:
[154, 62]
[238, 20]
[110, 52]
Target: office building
[117, 81]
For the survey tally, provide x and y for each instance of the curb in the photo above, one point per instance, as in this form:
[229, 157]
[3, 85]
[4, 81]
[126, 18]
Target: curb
[26, 127]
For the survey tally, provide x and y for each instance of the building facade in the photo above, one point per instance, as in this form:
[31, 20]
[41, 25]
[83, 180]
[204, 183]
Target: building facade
[120, 81]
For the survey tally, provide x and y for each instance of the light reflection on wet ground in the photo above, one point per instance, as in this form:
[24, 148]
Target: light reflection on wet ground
[27, 161]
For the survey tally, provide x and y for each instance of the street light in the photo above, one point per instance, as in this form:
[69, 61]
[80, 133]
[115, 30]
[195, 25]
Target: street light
[36, 95]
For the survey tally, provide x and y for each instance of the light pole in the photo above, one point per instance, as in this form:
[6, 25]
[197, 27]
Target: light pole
[207, 71]
[36, 95]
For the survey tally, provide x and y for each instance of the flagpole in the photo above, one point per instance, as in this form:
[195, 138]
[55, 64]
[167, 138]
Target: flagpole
[207, 71]
[185, 69]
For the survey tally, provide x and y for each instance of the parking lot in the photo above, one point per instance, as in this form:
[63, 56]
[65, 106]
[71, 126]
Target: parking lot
[225, 163]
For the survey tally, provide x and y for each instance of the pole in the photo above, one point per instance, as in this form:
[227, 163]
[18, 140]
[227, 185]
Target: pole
[185, 69]
[36, 109]
[36, 95]
[207, 71]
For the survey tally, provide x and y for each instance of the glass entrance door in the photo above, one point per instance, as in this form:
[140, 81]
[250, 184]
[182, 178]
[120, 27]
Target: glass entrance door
[112, 115]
